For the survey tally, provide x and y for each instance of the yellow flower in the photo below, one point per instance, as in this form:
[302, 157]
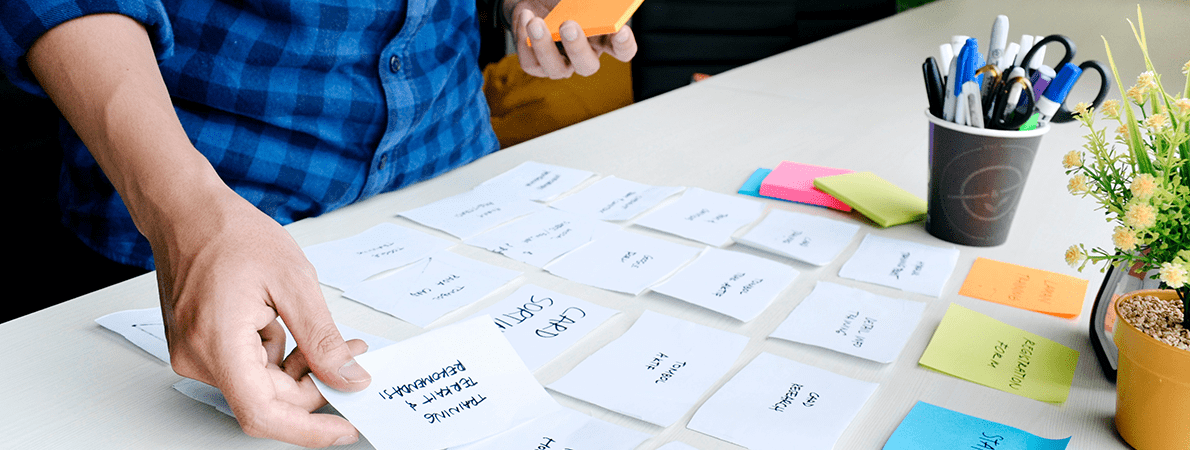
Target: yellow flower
[1111, 109]
[1124, 239]
[1174, 275]
[1122, 131]
[1077, 185]
[1081, 108]
[1143, 186]
[1146, 81]
[1074, 256]
[1140, 216]
[1186, 68]
[1137, 94]
[1183, 104]
[1157, 121]
[1072, 159]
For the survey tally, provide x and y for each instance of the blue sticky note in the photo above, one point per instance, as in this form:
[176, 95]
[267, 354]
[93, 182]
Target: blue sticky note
[752, 186]
[934, 427]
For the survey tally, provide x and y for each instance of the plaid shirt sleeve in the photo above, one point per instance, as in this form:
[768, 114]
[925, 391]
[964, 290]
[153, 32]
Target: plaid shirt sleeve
[302, 107]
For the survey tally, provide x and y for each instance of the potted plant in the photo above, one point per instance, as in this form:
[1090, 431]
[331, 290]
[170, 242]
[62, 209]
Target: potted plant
[1141, 180]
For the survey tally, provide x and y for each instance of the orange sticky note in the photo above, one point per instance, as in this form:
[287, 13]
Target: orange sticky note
[1026, 288]
[596, 17]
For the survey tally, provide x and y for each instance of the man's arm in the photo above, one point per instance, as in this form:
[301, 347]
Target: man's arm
[225, 270]
[543, 59]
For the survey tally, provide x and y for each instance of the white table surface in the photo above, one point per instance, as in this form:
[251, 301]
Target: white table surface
[854, 101]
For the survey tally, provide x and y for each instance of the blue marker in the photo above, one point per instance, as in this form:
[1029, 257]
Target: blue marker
[1057, 91]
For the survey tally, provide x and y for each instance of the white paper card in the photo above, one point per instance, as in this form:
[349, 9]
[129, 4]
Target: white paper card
[447, 387]
[676, 445]
[615, 199]
[852, 321]
[704, 216]
[537, 181]
[803, 237]
[900, 264]
[623, 262]
[656, 371]
[428, 289]
[541, 237]
[733, 283]
[774, 403]
[345, 262]
[472, 212]
[143, 327]
[541, 324]
[563, 430]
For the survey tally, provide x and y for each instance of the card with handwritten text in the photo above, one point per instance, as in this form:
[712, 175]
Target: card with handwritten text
[565, 429]
[541, 237]
[1026, 288]
[615, 199]
[908, 266]
[345, 262]
[472, 212]
[622, 261]
[804, 237]
[774, 403]
[704, 216]
[852, 321]
[733, 283]
[983, 350]
[536, 181]
[541, 324]
[929, 427]
[446, 387]
[656, 371]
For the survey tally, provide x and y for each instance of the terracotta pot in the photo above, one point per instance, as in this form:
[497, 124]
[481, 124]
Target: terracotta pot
[1152, 387]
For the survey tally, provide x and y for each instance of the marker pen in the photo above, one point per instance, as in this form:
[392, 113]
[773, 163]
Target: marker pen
[1026, 44]
[1014, 93]
[999, 40]
[1009, 56]
[1057, 91]
[1041, 79]
[1038, 59]
[947, 53]
[974, 104]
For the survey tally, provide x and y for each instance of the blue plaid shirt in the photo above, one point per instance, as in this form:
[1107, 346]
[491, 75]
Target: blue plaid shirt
[302, 107]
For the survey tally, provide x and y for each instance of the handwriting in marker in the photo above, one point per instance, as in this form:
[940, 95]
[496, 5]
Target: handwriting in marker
[523, 312]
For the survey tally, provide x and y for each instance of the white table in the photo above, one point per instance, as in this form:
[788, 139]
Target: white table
[854, 101]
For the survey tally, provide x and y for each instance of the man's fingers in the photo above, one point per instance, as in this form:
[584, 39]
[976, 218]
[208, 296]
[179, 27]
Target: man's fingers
[548, 57]
[296, 365]
[623, 44]
[525, 54]
[292, 423]
[583, 59]
[272, 337]
[304, 310]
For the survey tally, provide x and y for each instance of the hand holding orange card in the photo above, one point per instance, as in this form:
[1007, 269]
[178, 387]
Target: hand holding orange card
[596, 17]
[1026, 288]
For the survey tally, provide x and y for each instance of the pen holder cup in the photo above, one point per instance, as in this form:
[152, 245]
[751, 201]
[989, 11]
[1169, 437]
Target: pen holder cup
[976, 179]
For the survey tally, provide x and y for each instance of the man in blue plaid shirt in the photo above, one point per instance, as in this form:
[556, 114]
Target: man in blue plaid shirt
[199, 126]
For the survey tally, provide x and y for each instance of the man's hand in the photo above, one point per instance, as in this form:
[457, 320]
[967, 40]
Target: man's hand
[582, 53]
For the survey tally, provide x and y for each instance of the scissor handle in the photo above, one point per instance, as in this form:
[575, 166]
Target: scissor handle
[996, 119]
[1064, 115]
[1060, 39]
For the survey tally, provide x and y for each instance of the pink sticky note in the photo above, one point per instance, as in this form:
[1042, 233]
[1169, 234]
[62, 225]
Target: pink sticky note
[795, 182]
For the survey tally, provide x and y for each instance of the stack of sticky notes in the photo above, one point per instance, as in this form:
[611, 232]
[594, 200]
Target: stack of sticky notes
[595, 17]
[884, 203]
[795, 182]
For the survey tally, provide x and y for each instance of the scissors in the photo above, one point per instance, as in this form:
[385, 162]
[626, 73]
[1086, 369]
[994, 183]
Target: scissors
[999, 115]
[1063, 114]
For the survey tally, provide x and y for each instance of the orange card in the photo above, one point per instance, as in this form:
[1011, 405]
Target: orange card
[1026, 288]
[595, 16]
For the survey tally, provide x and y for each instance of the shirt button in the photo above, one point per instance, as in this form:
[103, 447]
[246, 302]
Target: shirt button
[383, 161]
[394, 64]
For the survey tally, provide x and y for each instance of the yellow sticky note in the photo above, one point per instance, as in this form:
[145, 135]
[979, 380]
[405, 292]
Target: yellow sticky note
[596, 17]
[983, 350]
[1026, 288]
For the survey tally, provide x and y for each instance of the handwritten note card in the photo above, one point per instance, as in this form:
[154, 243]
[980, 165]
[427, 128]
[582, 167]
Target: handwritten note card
[904, 265]
[623, 262]
[536, 181]
[473, 212]
[143, 327]
[929, 427]
[983, 350]
[803, 237]
[1026, 288]
[852, 321]
[345, 262]
[656, 371]
[733, 283]
[432, 287]
[563, 430]
[450, 386]
[615, 199]
[704, 216]
[775, 403]
[541, 237]
[540, 323]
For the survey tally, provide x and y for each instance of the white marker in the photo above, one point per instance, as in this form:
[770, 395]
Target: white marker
[1026, 44]
[947, 54]
[1009, 56]
[999, 40]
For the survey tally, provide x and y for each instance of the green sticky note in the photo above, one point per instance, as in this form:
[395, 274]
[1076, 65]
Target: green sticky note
[883, 202]
[983, 350]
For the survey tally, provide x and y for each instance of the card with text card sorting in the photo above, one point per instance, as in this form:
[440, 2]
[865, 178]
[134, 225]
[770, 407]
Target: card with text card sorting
[774, 403]
[615, 199]
[565, 429]
[795, 182]
[430, 288]
[983, 350]
[656, 371]
[345, 262]
[595, 17]
[852, 321]
[541, 324]
[807, 238]
[450, 386]
[733, 283]
[623, 261]
[472, 212]
[905, 265]
[704, 216]
[543, 236]
[930, 427]
[537, 181]
[874, 197]
[1025, 287]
